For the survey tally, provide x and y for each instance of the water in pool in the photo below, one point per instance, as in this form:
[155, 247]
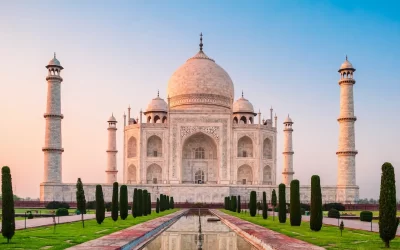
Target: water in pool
[194, 232]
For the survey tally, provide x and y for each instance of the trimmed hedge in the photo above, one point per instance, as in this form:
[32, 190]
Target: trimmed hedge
[282, 203]
[333, 213]
[366, 216]
[295, 209]
[316, 204]
[57, 205]
[253, 205]
[337, 206]
[62, 212]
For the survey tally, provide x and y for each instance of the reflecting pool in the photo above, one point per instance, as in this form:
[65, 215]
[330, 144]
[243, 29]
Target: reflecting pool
[194, 232]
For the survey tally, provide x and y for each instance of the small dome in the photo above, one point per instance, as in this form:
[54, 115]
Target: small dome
[288, 120]
[346, 65]
[157, 105]
[242, 105]
[112, 119]
[54, 62]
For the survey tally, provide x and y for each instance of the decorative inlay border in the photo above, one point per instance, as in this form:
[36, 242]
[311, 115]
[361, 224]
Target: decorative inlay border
[200, 99]
[189, 130]
[346, 152]
[347, 119]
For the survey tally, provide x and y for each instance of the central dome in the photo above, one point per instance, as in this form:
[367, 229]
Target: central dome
[199, 82]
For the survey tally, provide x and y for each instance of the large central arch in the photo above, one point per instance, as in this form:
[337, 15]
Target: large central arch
[199, 154]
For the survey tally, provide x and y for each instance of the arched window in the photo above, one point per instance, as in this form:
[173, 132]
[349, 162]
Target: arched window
[235, 120]
[199, 153]
[267, 149]
[154, 174]
[156, 119]
[132, 147]
[199, 177]
[245, 147]
[267, 175]
[154, 146]
[149, 119]
[245, 175]
[131, 174]
[243, 119]
[164, 119]
[250, 120]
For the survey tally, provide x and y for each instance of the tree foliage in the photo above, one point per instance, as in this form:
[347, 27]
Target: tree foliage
[139, 199]
[134, 203]
[253, 203]
[172, 204]
[114, 205]
[158, 206]
[148, 203]
[295, 209]
[123, 202]
[144, 203]
[282, 203]
[387, 205]
[265, 206]
[100, 207]
[239, 205]
[8, 212]
[80, 199]
[273, 202]
[316, 204]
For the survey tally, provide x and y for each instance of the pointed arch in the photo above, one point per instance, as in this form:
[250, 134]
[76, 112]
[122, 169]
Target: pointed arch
[245, 147]
[164, 119]
[149, 119]
[235, 120]
[245, 175]
[154, 146]
[267, 175]
[243, 119]
[267, 148]
[156, 119]
[131, 174]
[132, 148]
[154, 174]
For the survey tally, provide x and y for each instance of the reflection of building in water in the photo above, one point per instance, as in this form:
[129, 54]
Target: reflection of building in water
[183, 236]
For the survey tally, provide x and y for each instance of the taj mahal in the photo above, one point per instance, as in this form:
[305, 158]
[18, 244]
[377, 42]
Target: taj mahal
[199, 144]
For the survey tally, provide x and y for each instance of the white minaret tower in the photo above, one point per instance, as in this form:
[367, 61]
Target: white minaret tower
[112, 171]
[287, 174]
[52, 143]
[346, 151]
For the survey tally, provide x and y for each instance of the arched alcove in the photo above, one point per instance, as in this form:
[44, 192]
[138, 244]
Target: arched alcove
[154, 146]
[132, 147]
[245, 147]
[245, 175]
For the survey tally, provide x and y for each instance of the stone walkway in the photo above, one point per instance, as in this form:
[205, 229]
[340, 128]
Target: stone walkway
[262, 237]
[133, 237]
[46, 221]
[353, 224]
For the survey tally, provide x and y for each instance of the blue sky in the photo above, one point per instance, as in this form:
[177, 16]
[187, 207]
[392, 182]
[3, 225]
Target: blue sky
[280, 53]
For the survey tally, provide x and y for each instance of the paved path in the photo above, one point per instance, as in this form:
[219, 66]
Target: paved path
[354, 224]
[45, 221]
[262, 237]
[132, 237]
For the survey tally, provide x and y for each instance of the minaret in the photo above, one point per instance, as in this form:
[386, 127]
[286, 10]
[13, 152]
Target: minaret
[112, 171]
[52, 144]
[287, 174]
[346, 150]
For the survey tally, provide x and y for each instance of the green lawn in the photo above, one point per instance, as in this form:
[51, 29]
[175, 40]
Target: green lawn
[71, 234]
[329, 236]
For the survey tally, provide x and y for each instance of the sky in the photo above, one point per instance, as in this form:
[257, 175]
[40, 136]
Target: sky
[280, 53]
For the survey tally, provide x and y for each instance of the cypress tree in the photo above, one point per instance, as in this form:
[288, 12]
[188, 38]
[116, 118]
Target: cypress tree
[80, 199]
[233, 203]
[239, 205]
[316, 204]
[228, 200]
[123, 200]
[134, 203]
[100, 208]
[295, 209]
[158, 206]
[387, 205]
[172, 203]
[265, 206]
[253, 203]
[114, 202]
[139, 211]
[226, 203]
[282, 203]
[144, 203]
[8, 212]
[149, 203]
[273, 203]
[167, 202]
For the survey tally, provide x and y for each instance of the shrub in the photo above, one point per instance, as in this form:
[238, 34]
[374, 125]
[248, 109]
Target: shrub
[57, 204]
[61, 212]
[366, 216]
[316, 204]
[30, 215]
[337, 206]
[253, 208]
[387, 205]
[107, 206]
[100, 206]
[265, 206]
[333, 213]
[273, 203]
[139, 211]
[148, 203]
[282, 203]
[172, 205]
[123, 199]
[303, 211]
[158, 206]
[295, 209]
[114, 205]
[306, 207]
[134, 203]
[144, 203]
[239, 206]
[233, 203]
